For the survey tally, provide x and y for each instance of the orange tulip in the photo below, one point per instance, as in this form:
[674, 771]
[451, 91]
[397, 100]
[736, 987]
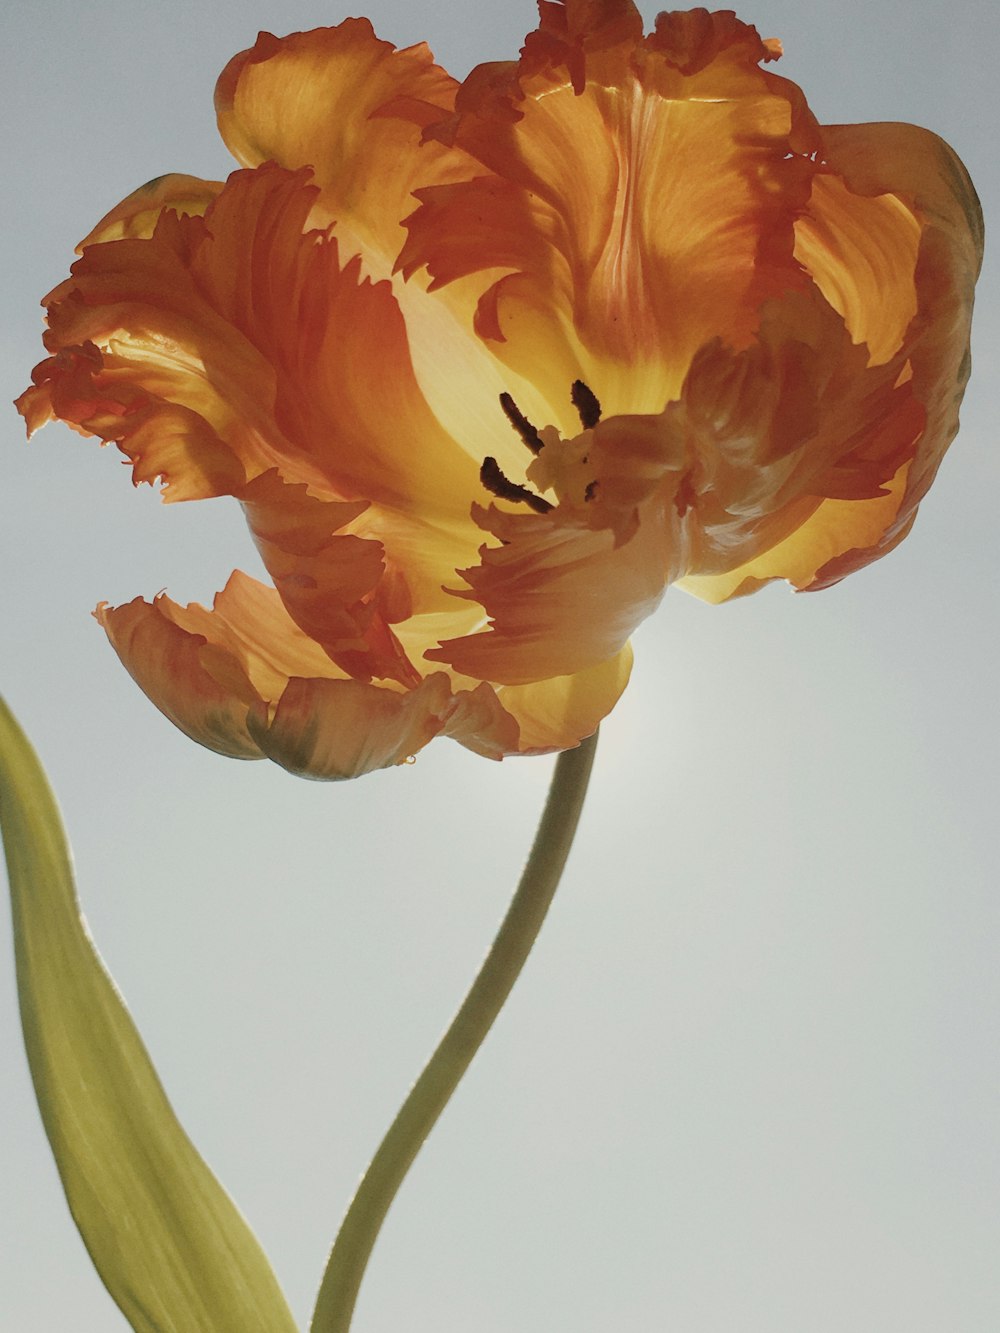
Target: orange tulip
[489, 365]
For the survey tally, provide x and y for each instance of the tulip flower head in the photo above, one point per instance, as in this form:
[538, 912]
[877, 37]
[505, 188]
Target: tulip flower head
[489, 365]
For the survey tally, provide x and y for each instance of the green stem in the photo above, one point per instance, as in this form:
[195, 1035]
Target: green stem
[352, 1249]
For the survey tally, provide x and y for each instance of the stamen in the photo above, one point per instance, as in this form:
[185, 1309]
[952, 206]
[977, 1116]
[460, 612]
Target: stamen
[529, 435]
[586, 403]
[505, 489]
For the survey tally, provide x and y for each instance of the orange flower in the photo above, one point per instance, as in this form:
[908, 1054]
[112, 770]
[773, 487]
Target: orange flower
[491, 365]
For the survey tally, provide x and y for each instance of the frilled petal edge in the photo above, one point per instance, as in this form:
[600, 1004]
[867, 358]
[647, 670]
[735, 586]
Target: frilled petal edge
[244, 681]
[333, 729]
[174, 669]
[349, 107]
[558, 713]
[139, 212]
[843, 535]
[226, 678]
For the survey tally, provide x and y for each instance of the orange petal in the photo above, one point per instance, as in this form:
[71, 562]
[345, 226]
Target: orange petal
[346, 407]
[862, 254]
[540, 588]
[920, 168]
[250, 622]
[558, 713]
[96, 394]
[879, 163]
[138, 214]
[351, 108]
[209, 368]
[331, 729]
[482, 724]
[245, 681]
[835, 530]
[135, 346]
[643, 192]
[801, 413]
[195, 683]
[331, 583]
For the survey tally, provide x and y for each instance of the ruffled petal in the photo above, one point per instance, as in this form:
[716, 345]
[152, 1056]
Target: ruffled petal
[351, 108]
[539, 589]
[827, 532]
[920, 168]
[249, 620]
[197, 684]
[799, 416]
[330, 582]
[558, 713]
[641, 199]
[480, 722]
[348, 414]
[245, 681]
[332, 729]
[138, 214]
[886, 172]
[291, 358]
[862, 254]
[97, 393]
[743, 459]
[209, 369]
[345, 395]
[140, 358]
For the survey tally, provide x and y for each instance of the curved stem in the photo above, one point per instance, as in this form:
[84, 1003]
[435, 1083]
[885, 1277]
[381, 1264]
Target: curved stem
[429, 1095]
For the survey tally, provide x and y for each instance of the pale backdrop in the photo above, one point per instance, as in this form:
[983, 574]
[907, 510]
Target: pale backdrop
[750, 1081]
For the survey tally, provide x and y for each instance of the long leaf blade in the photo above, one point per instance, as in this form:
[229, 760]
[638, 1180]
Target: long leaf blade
[167, 1241]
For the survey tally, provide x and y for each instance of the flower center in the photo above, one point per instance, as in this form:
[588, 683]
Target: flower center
[588, 409]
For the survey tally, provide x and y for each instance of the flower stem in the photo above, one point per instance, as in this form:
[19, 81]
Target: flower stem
[352, 1249]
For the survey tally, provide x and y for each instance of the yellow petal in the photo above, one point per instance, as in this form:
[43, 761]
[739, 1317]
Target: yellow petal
[862, 254]
[836, 530]
[139, 212]
[349, 107]
[558, 713]
[642, 197]
[330, 582]
[878, 164]
[540, 588]
[196, 684]
[331, 729]
[480, 722]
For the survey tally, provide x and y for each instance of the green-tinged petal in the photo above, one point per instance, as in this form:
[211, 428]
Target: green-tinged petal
[169, 1244]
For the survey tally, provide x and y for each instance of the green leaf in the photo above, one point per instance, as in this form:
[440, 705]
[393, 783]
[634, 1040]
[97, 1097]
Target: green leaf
[168, 1242]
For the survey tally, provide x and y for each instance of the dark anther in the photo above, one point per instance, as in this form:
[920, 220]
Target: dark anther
[529, 435]
[505, 489]
[591, 490]
[586, 404]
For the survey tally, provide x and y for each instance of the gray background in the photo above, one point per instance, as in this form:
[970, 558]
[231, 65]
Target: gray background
[749, 1081]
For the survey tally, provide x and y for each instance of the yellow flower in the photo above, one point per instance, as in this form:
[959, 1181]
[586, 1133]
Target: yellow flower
[491, 365]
